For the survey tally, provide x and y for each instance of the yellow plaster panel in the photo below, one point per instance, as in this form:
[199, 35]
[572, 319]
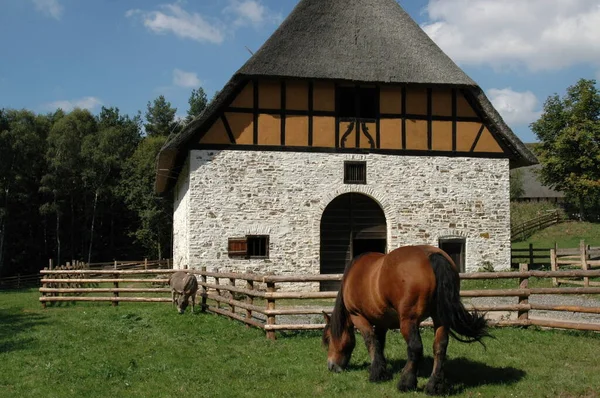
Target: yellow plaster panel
[324, 96]
[269, 94]
[245, 98]
[390, 100]
[466, 132]
[296, 94]
[242, 127]
[390, 133]
[416, 134]
[463, 109]
[216, 134]
[269, 130]
[441, 136]
[441, 103]
[324, 131]
[296, 131]
[487, 143]
[416, 101]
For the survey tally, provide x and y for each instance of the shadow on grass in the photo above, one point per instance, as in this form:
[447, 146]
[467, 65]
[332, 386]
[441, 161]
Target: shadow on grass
[13, 323]
[461, 373]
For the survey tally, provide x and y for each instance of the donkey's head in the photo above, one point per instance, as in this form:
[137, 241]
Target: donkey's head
[182, 303]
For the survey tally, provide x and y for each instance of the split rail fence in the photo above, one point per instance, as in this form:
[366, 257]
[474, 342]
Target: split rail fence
[584, 257]
[252, 298]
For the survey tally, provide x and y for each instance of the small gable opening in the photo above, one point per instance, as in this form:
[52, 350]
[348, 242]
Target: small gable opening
[357, 102]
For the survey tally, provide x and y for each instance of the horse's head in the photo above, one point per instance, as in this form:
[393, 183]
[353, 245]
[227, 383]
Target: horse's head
[182, 303]
[340, 342]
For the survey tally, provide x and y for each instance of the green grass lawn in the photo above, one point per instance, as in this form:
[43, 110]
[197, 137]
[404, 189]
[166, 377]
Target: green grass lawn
[148, 350]
[567, 234]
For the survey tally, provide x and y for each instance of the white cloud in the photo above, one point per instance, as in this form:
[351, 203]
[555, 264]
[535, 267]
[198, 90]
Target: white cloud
[250, 12]
[516, 108]
[174, 19]
[51, 8]
[185, 79]
[68, 105]
[538, 34]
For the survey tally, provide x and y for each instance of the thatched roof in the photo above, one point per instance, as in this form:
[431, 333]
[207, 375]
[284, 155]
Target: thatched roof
[533, 187]
[369, 41]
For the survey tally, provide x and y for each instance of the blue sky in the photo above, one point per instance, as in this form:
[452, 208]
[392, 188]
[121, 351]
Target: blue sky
[124, 53]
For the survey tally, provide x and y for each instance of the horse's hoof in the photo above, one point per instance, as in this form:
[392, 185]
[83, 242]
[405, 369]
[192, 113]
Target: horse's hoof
[407, 383]
[384, 375]
[435, 387]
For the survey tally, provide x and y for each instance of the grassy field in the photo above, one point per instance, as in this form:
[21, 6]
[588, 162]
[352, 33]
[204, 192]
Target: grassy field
[148, 350]
[567, 234]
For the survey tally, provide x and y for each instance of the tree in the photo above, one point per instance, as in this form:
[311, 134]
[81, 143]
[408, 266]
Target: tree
[22, 145]
[160, 117]
[106, 153]
[154, 213]
[569, 133]
[198, 102]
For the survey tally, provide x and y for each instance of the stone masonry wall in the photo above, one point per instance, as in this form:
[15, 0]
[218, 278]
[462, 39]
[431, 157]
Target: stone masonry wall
[284, 194]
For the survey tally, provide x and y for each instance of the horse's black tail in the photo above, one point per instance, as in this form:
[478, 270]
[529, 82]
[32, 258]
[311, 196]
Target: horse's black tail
[450, 310]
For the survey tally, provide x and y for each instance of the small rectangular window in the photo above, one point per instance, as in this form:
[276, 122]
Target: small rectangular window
[355, 172]
[250, 246]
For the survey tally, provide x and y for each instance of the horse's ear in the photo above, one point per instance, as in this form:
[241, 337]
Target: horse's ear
[327, 318]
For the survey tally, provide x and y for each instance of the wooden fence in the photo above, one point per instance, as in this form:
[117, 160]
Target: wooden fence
[533, 256]
[252, 298]
[20, 282]
[522, 231]
[584, 257]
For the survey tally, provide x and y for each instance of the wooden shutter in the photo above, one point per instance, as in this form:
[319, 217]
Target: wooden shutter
[237, 247]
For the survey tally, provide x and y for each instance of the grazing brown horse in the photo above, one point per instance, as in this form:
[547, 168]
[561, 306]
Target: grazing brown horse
[183, 287]
[400, 289]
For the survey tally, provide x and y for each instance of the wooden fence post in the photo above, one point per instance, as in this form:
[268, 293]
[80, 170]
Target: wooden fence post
[553, 266]
[204, 289]
[584, 264]
[523, 284]
[232, 283]
[146, 264]
[271, 306]
[218, 303]
[249, 300]
[44, 285]
[530, 255]
[116, 285]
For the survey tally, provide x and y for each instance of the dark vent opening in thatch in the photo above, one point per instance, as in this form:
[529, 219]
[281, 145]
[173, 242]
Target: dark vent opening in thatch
[355, 172]
[358, 102]
[258, 246]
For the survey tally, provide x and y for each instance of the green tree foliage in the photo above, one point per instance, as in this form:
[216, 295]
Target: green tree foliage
[198, 102]
[160, 117]
[569, 150]
[22, 140]
[154, 214]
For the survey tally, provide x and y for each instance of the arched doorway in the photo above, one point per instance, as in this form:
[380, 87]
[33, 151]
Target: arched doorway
[351, 224]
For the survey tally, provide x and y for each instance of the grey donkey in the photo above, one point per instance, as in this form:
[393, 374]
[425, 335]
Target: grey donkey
[183, 287]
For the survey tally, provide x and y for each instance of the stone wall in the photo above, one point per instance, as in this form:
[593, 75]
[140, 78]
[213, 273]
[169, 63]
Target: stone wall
[181, 228]
[284, 194]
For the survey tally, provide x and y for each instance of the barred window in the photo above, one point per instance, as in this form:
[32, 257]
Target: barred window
[355, 172]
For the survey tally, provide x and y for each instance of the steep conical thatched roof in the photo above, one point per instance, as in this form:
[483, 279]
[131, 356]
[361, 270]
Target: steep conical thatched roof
[370, 41]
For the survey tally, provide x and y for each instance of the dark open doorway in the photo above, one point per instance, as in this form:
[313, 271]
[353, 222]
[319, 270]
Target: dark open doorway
[455, 247]
[351, 224]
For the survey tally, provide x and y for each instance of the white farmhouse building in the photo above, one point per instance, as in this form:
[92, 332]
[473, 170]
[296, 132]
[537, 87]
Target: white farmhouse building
[349, 130]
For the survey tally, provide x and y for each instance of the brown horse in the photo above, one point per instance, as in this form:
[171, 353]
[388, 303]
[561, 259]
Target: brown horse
[400, 289]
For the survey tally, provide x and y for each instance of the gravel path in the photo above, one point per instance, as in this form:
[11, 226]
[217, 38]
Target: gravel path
[546, 299]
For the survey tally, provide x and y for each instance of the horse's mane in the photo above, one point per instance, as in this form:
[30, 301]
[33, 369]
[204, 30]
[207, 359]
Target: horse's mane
[339, 317]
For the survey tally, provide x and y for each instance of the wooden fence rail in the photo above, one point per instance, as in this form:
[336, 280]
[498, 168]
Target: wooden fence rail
[259, 300]
[522, 231]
